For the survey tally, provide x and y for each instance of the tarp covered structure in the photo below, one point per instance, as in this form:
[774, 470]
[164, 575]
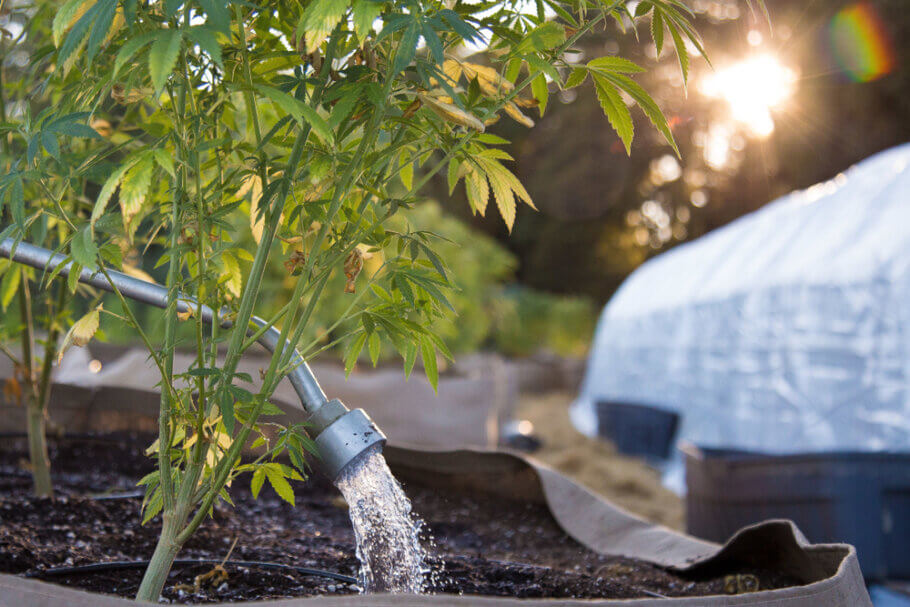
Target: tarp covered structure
[785, 331]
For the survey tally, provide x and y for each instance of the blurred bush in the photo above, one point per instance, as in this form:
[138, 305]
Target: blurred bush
[492, 312]
[526, 321]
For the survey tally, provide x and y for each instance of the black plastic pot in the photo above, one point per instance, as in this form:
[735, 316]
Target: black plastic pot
[637, 429]
[857, 498]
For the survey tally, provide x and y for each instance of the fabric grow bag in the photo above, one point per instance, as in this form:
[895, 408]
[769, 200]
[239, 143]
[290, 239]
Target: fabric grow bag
[785, 331]
[830, 572]
[859, 498]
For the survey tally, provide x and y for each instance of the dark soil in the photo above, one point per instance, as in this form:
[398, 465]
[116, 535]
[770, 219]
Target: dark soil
[481, 544]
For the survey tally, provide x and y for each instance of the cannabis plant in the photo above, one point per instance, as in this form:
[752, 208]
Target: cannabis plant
[46, 157]
[311, 124]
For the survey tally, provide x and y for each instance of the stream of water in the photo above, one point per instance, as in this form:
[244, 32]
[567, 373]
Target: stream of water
[392, 558]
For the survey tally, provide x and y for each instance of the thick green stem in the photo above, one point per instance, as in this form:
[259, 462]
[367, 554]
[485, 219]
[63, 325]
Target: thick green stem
[162, 559]
[36, 424]
[37, 450]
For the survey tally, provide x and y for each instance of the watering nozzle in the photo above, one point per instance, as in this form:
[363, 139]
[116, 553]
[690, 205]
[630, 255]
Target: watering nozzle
[341, 435]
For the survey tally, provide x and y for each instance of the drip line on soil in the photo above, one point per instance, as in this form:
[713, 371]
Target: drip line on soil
[119, 565]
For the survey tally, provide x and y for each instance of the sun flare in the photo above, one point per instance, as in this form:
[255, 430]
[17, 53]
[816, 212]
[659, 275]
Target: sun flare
[752, 88]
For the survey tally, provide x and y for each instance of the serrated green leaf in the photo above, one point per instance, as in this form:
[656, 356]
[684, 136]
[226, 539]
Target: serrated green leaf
[133, 190]
[9, 286]
[374, 345]
[545, 67]
[350, 359]
[433, 43]
[406, 174]
[49, 142]
[541, 92]
[612, 63]
[149, 479]
[72, 279]
[576, 77]
[410, 357]
[130, 48]
[163, 56]
[207, 41]
[219, 17]
[428, 355]
[64, 17]
[76, 37]
[107, 190]
[657, 31]
[153, 507]
[227, 412]
[478, 191]
[101, 25]
[542, 38]
[407, 47]
[616, 111]
[682, 54]
[644, 101]
[365, 14]
[466, 31]
[83, 248]
[299, 110]
[257, 481]
[319, 19]
[164, 160]
[280, 485]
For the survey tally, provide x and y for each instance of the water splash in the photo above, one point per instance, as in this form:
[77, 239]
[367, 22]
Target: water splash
[391, 556]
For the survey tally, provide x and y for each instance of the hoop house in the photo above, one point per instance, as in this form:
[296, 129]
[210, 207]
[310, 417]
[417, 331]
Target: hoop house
[785, 331]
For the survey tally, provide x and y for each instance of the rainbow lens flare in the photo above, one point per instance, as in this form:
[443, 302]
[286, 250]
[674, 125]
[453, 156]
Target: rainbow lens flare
[860, 43]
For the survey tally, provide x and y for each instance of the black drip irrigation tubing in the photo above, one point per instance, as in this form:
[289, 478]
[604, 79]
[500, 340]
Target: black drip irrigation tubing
[120, 565]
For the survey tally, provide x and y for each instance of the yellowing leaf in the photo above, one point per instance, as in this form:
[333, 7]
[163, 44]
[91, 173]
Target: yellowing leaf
[452, 70]
[135, 272]
[252, 185]
[505, 187]
[512, 110]
[81, 332]
[231, 275]
[133, 190]
[107, 190]
[478, 191]
[319, 19]
[365, 13]
[505, 199]
[66, 16]
[121, 95]
[491, 83]
[452, 113]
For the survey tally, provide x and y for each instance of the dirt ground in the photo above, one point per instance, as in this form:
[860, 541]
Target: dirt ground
[626, 481]
[481, 543]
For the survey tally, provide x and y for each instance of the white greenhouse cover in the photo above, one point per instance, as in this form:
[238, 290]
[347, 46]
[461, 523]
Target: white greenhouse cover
[785, 331]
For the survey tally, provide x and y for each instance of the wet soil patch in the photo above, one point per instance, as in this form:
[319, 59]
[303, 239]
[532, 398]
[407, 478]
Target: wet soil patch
[481, 544]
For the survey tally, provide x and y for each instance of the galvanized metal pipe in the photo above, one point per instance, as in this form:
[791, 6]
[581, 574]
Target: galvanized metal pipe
[342, 435]
[308, 390]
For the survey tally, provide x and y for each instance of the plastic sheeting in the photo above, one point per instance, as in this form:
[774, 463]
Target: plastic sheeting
[785, 331]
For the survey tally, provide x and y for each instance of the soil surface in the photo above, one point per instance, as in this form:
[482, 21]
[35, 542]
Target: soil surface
[481, 544]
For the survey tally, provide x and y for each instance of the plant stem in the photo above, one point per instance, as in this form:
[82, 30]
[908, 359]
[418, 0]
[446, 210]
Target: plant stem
[37, 450]
[35, 416]
[162, 559]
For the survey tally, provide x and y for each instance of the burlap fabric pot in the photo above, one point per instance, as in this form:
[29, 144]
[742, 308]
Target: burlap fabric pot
[830, 573]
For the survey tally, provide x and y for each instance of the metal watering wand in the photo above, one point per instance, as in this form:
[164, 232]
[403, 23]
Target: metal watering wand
[340, 434]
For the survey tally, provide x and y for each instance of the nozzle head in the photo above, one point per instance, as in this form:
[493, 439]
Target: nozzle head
[345, 439]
